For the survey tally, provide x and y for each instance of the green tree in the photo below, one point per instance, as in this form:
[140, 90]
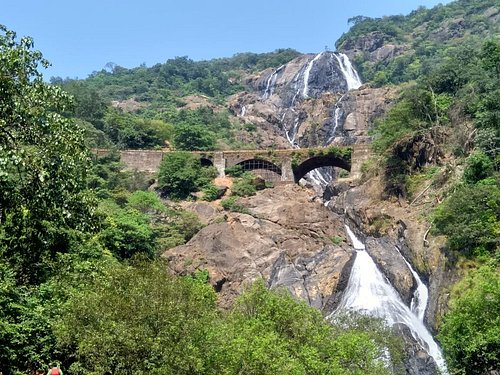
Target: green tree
[470, 218]
[43, 163]
[181, 173]
[470, 333]
[193, 138]
[269, 332]
[138, 318]
[134, 132]
[490, 56]
[477, 167]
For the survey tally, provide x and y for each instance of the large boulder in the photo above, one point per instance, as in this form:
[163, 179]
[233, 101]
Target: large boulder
[288, 239]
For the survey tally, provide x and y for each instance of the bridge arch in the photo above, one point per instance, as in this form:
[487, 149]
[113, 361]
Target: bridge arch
[206, 162]
[319, 161]
[268, 170]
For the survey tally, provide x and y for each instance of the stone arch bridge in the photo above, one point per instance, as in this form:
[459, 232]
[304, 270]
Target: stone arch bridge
[286, 166]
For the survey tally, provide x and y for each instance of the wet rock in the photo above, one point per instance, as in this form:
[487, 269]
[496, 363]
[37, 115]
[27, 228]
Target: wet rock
[334, 189]
[306, 103]
[391, 263]
[416, 359]
[313, 278]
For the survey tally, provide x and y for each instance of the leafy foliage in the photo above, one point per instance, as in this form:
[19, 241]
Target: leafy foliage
[155, 323]
[231, 204]
[244, 186]
[470, 217]
[43, 163]
[442, 98]
[147, 322]
[134, 132]
[268, 332]
[210, 193]
[181, 76]
[193, 138]
[126, 232]
[477, 167]
[181, 173]
[422, 39]
[470, 334]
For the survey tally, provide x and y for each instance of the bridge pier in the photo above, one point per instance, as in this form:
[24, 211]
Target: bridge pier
[220, 164]
[287, 171]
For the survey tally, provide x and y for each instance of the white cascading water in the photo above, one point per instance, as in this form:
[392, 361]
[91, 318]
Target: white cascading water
[336, 119]
[369, 292]
[305, 90]
[421, 294]
[350, 74]
[292, 132]
[353, 82]
[271, 81]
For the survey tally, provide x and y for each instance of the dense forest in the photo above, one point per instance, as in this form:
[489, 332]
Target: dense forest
[82, 282]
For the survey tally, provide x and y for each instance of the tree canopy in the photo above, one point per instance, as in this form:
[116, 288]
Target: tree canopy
[43, 163]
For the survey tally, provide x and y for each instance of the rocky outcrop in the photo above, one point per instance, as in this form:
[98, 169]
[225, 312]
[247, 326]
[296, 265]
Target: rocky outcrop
[354, 114]
[417, 361]
[375, 47]
[288, 238]
[305, 101]
[389, 260]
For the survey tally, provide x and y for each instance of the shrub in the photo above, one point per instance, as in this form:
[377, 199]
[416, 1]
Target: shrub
[193, 138]
[470, 334]
[470, 218]
[145, 202]
[231, 205]
[243, 187]
[181, 173]
[477, 167]
[127, 232]
[235, 171]
[210, 193]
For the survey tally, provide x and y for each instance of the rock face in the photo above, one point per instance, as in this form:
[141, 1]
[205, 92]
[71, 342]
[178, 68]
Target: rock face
[393, 266]
[314, 100]
[289, 239]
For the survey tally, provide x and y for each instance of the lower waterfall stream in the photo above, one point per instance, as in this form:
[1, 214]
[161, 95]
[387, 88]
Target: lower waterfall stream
[369, 292]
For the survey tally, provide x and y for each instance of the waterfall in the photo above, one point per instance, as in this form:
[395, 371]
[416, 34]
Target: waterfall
[350, 74]
[369, 292]
[291, 133]
[291, 127]
[305, 90]
[270, 83]
[336, 118]
[243, 111]
[421, 294]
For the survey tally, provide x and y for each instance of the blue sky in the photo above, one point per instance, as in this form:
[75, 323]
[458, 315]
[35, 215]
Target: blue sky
[79, 37]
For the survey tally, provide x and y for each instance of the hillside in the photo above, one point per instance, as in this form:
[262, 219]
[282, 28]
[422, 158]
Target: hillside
[113, 271]
[397, 49]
